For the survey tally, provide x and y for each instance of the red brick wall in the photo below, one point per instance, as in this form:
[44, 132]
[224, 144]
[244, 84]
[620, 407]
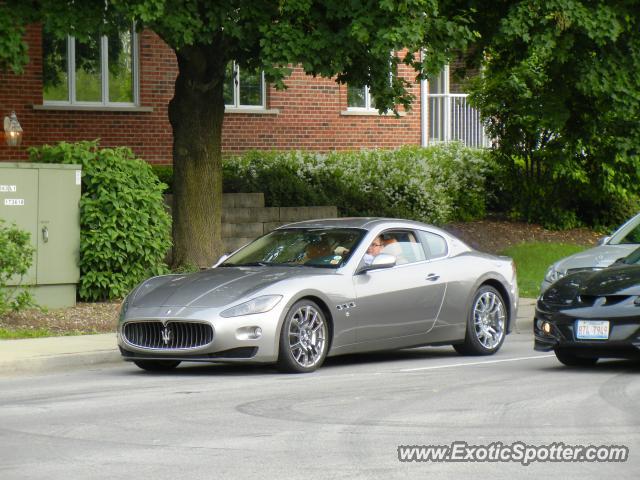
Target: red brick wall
[147, 133]
[19, 93]
[310, 118]
[309, 114]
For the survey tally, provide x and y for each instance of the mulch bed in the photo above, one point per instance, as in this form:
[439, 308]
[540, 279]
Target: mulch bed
[84, 318]
[494, 236]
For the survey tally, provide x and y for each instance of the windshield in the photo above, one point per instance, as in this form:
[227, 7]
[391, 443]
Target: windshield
[312, 247]
[628, 233]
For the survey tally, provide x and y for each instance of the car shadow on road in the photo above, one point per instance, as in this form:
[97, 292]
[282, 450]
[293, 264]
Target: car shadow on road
[388, 356]
[603, 366]
[333, 363]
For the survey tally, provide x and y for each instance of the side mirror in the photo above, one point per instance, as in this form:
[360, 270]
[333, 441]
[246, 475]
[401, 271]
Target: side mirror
[220, 260]
[384, 260]
[604, 240]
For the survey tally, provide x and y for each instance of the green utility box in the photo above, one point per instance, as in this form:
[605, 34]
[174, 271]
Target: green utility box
[43, 199]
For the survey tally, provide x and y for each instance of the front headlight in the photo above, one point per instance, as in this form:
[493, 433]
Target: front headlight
[553, 274]
[256, 305]
[124, 306]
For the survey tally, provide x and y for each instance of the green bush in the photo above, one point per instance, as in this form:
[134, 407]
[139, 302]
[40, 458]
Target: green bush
[165, 175]
[566, 201]
[435, 184]
[125, 229]
[16, 256]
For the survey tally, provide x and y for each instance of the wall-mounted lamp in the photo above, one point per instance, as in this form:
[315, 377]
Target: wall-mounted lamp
[12, 130]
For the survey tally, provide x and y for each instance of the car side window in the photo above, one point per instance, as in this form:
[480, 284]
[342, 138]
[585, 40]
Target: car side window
[434, 245]
[403, 245]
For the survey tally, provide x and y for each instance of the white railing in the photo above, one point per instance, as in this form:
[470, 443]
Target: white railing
[451, 118]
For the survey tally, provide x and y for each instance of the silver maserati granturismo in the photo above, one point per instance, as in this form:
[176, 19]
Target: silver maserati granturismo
[320, 288]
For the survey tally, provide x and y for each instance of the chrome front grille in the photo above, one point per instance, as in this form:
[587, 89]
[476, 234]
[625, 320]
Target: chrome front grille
[167, 336]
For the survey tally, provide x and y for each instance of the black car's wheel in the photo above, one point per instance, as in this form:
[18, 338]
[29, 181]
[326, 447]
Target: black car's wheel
[570, 359]
[157, 365]
[304, 338]
[486, 323]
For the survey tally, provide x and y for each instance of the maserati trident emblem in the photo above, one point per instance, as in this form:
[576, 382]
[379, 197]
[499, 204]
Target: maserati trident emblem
[166, 335]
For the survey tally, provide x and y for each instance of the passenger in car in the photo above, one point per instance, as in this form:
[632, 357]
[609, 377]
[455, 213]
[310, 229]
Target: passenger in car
[393, 247]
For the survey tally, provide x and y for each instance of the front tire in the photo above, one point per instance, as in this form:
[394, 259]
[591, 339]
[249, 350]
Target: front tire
[570, 359]
[157, 365]
[304, 338]
[486, 324]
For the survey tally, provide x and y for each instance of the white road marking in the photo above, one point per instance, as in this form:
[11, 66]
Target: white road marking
[477, 363]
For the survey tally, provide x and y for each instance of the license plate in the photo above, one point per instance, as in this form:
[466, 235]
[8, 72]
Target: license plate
[592, 329]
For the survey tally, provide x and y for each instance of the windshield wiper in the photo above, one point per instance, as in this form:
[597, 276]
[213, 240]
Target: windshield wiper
[250, 264]
[264, 264]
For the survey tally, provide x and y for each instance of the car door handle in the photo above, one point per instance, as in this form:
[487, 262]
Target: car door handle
[432, 277]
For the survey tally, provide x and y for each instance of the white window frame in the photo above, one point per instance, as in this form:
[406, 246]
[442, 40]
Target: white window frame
[237, 83]
[444, 94]
[104, 78]
[367, 102]
[456, 119]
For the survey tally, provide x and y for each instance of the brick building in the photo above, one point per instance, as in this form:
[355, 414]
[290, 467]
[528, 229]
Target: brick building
[56, 99]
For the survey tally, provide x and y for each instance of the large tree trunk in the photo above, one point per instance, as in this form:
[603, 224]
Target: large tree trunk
[196, 113]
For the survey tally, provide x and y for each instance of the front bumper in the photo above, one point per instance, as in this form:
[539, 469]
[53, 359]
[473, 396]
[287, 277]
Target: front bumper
[623, 341]
[230, 341]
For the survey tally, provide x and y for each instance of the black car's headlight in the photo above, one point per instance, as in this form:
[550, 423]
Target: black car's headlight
[553, 274]
[563, 292]
[255, 305]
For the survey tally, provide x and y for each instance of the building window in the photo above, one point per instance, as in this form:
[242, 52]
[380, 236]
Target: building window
[451, 117]
[359, 98]
[243, 89]
[100, 71]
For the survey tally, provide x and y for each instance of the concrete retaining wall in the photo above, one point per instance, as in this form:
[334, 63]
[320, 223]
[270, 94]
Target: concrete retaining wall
[244, 217]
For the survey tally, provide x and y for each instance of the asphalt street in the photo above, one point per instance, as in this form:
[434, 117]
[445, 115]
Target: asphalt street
[344, 421]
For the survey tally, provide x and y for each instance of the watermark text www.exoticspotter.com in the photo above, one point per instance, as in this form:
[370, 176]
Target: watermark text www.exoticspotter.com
[518, 452]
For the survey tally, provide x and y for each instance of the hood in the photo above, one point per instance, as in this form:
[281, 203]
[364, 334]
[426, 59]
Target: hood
[216, 287]
[616, 280]
[596, 257]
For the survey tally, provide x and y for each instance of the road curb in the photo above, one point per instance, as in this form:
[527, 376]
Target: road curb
[56, 353]
[526, 312]
[59, 362]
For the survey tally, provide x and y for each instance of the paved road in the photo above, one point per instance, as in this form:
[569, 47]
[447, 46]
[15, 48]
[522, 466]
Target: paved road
[344, 421]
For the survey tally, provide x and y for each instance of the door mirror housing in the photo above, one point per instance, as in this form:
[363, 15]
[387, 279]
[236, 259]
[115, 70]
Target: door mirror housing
[220, 260]
[383, 260]
[603, 240]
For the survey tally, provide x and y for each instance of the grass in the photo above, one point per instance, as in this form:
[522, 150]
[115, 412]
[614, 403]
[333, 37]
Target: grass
[17, 333]
[532, 260]
[12, 334]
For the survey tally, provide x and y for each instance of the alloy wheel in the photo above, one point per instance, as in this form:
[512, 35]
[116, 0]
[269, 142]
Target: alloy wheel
[489, 319]
[307, 336]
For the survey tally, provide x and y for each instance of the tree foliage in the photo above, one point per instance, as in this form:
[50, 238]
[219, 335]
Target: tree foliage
[352, 41]
[560, 96]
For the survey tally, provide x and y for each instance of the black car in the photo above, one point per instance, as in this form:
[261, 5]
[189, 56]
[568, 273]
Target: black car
[592, 314]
